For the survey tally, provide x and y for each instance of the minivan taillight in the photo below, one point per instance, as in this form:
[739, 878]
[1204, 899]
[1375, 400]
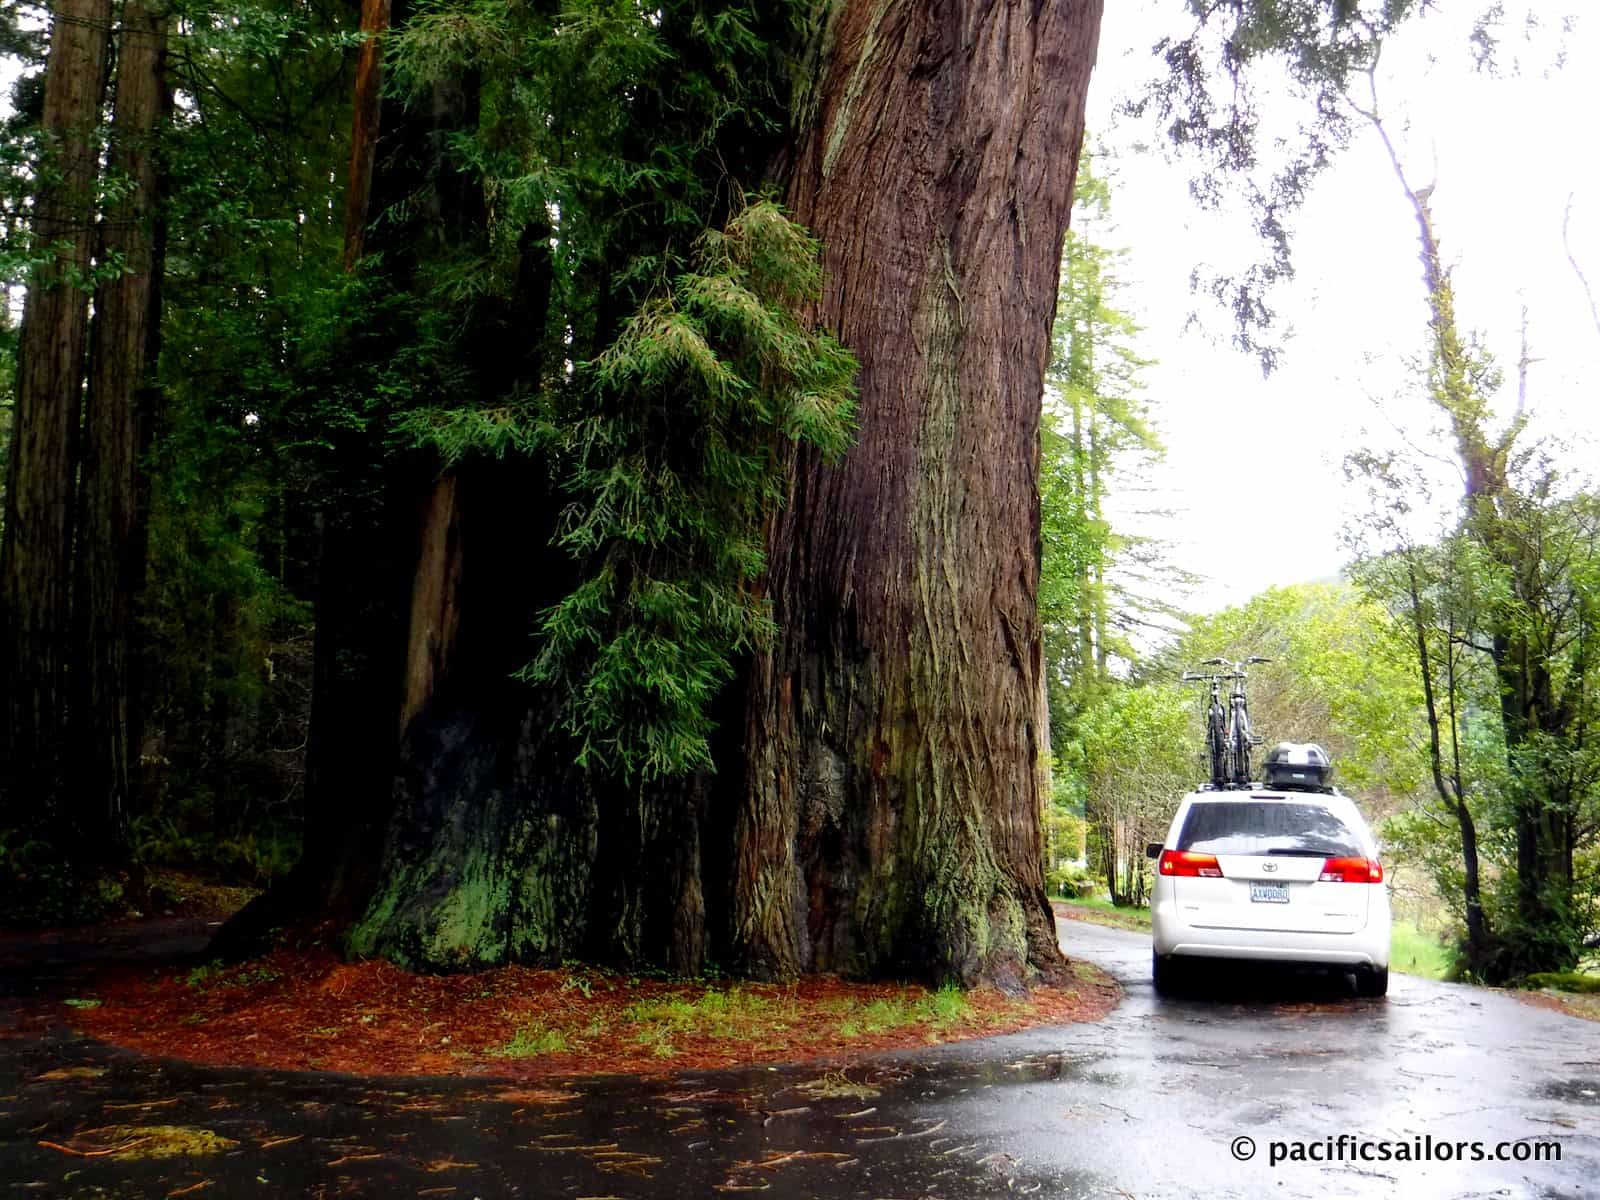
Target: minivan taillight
[1351, 870]
[1179, 863]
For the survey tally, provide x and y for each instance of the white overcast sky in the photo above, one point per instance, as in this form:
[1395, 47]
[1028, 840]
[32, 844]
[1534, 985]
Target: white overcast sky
[1504, 153]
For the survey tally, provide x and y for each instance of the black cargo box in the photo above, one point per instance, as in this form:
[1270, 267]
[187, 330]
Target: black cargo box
[1297, 766]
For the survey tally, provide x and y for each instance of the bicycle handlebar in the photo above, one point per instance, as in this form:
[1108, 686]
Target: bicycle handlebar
[1223, 662]
[1236, 673]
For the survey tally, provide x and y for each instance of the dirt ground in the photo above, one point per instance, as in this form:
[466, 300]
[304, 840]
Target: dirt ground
[146, 985]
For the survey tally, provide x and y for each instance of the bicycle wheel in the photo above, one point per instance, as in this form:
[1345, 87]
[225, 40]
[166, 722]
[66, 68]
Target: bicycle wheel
[1239, 747]
[1217, 747]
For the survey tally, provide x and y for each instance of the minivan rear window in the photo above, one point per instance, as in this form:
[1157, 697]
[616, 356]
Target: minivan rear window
[1254, 827]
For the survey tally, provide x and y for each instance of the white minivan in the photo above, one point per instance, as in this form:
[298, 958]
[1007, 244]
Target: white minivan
[1264, 875]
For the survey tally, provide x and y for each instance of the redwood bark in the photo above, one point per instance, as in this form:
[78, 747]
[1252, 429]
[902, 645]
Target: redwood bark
[368, 106]
[891, 817]
[111, 545]
[36, 556]
[435, 613]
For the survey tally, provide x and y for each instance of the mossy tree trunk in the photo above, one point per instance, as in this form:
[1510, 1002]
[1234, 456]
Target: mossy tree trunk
[891, 818]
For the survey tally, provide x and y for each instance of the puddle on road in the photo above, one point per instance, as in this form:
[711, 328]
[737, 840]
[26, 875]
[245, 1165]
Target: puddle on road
[1574, 1091]
[1030, 1068]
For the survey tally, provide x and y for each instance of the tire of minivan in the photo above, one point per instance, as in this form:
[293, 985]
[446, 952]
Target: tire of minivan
[1165, 973]
[1372, 982]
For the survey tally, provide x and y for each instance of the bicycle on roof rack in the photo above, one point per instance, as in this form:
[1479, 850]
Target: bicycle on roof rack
[1228, 735]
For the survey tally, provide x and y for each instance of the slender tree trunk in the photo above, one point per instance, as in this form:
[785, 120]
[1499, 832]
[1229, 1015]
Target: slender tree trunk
[378, 657]
[111, 525]
[1451, 789]
[890, 822]
[1097, 572]
[1481, 948]
[1087, 679]
[1527, 706]
[364, 128]
[36, 556]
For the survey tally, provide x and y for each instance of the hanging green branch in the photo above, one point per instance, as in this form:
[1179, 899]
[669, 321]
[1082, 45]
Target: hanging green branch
[676, 463]
[672, 446]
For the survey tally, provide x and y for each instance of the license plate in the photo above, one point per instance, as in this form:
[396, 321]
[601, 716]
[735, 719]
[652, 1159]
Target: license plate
[1269, 893]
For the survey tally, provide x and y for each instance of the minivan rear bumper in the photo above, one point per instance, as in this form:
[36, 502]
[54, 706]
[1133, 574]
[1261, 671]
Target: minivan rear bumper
[1366, 947]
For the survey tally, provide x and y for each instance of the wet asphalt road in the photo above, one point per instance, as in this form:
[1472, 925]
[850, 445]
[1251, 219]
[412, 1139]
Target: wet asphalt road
[1146, 1104]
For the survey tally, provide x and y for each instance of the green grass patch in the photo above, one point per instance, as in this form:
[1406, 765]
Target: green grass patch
[1097, 910]
[732, 1014]
[531, 1041]
[720, 1013]
[937, 1011]
[1413, 951]
[739, 1015]
[216, 974]
[1565, 981]
[658, 1038]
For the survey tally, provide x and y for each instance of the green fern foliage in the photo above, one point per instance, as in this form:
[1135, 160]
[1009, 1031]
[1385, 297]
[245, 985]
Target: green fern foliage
[676, 445]
[672, 446]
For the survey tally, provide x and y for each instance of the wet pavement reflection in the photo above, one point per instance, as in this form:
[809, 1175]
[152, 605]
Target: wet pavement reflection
[1154, 1102]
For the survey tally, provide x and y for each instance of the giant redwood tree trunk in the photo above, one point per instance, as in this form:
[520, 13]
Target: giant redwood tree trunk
[36, 557]
[111, 516]
[876, 808]
[891, 820]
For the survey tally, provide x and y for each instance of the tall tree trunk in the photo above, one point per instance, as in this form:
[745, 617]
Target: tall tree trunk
[368, 540]
[1450, 785]
[890, 822]
[111, 541]
[382, 656]
[367, 108]
[1097, 570]
[1086, 679]
[36, 556]
[1494, 519]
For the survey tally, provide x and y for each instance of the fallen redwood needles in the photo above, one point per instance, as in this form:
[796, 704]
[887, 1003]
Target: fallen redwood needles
[307, 1009]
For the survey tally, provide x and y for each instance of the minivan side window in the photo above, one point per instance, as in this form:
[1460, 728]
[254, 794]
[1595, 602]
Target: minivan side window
[1256, 827]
